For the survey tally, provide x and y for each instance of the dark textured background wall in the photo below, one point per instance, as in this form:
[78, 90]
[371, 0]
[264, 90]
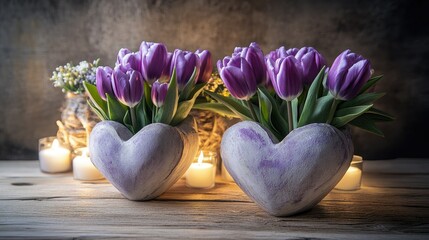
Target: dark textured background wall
[37, 36]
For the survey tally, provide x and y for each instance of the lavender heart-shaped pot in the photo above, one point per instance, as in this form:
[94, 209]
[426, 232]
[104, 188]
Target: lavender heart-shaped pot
[291, 176]
[145, 165]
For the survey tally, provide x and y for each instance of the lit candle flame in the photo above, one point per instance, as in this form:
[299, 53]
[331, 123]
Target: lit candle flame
[55, 144]
[200, 158]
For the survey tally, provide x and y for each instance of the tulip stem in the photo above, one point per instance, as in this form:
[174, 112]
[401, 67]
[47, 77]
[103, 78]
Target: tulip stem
[133, 118]
[252, 110]
[289, 115]
[332, 111]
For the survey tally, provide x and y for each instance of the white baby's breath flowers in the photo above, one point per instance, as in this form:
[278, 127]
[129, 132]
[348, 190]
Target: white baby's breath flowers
[70, 78]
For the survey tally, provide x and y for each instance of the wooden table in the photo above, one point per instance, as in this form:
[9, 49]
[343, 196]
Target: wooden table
[392, 204]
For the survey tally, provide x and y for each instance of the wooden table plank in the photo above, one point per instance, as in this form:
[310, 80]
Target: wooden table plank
[392, 204]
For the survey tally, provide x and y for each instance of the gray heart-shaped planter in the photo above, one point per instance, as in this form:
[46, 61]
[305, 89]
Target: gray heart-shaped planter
[291, 176]
[145, 165]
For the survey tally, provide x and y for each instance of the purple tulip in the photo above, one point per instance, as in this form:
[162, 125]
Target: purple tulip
[286, 77]
[127, 86]
[166, 73]
[238, 76]
[184, 62]
[281, 52]
[348, 74]
[255, 57]
[311, 61]
[159, 92]
[153, 60]
[127, 60]
[206, 67]
[292, 51]
[121, 54]
[103, 78]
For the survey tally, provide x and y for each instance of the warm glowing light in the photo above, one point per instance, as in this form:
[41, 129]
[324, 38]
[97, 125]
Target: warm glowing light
[55, 144]
[200, 158]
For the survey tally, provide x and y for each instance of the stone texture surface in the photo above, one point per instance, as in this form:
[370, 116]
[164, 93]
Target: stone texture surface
[145, 165]
[288, 177]
[37, 36]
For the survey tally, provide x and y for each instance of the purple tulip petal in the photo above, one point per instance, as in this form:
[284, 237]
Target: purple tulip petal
[347, 75]
[104, 82]
[206, 67]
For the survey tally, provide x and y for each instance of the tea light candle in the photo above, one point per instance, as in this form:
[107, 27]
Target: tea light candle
[352, 178]
[55, 159]
[83, 169]
[201, 174]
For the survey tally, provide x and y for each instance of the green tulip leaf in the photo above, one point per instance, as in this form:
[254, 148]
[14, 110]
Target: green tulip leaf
[266, 113]
[147, 97]
[379, 115]
[127, 121]
[265, 107]
[233, 104]
[142, 115]
[345, 115]
[102, 115]
[321, 109]
[182, 112]
[370, 83]
[168, 110]
[363, 99]
[311, 99]
[278, 123]
[323, 91]
[366, 124]
[216, 108]
[185, 107]
[95, 97]
[186, 92]
[115, 109]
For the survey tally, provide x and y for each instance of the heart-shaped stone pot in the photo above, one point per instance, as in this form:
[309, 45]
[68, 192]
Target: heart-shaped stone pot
[145, 165]
[289, 177]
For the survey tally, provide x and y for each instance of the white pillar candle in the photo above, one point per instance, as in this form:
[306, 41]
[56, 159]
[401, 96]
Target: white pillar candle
[352, 178]
[55, 159]
[201, 174]
[84, 169]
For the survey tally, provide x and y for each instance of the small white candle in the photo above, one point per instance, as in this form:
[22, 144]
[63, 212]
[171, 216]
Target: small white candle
[353, 176]
[201, 174]
[83, 169]
[55, 159]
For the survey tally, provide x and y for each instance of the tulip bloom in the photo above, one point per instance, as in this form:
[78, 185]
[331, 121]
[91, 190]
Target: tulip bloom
[206, 67]
[127, 60]
[255, 57]
[128, 87]
[158, 93]
[103, 78]
[286, 77]
[185, 62]
[121, 54]
[348, 74]
[238, 76]
[281, 52]
[311, 61]
[153, 60]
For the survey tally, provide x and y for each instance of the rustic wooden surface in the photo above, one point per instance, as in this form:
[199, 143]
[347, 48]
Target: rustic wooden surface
[392, 204]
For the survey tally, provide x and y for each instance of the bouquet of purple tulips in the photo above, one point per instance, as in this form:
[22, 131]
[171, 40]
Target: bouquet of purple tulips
[151, 85]
[290, 88]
